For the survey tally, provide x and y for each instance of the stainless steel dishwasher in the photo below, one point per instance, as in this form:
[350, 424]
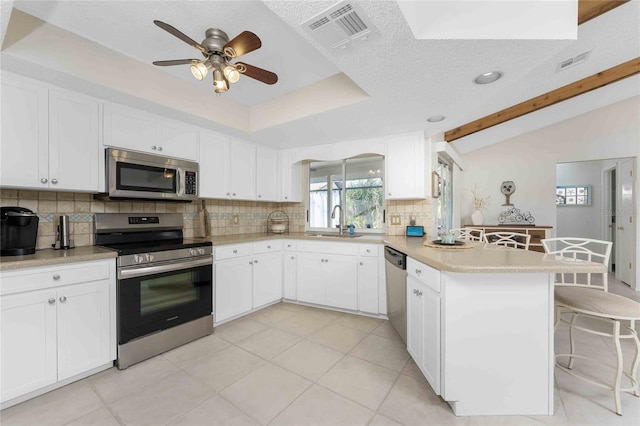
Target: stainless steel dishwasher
[396, 274]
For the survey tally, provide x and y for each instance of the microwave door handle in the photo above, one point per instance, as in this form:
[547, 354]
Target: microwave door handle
[180, 188]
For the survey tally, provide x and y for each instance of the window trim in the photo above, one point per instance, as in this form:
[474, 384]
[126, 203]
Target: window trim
[307, 200]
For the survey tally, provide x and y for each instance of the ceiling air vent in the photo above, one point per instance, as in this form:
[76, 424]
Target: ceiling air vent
[339, 25]
[573, 61]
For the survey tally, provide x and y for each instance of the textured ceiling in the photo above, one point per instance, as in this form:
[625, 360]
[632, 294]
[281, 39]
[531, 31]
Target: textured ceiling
[406, 80]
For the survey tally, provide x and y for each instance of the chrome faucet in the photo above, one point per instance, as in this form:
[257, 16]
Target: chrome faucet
[333, 216]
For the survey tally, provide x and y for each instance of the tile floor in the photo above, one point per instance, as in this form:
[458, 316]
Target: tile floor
[295, 365]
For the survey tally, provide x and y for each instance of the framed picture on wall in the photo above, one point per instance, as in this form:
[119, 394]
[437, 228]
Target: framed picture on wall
[573, 195]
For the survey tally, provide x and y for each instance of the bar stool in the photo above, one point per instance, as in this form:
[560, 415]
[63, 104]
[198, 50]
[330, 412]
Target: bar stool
[508, 239]
[469, 234]
[580, 296]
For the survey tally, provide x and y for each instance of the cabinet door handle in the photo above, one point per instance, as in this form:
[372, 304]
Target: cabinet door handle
[234, 194]
[259, 196]
[389, 194]
[292, 257]
[63, 299]
[255, 261]
[268, 247]
[250, 263]
[361, 263]
[56, 277]
[368, 250]
[159, 148]
[415, 291]
[286, 198]
[620, 228]
[44, 180]
[235, 252]
[154, 147]
[419, 293]
[54, 181]
[418, 271]
[228, 193]
[52, 301]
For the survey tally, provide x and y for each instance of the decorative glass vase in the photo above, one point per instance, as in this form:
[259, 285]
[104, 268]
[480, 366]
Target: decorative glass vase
[477, 218]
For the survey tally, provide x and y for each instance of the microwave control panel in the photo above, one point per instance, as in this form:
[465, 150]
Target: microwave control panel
[190, 183]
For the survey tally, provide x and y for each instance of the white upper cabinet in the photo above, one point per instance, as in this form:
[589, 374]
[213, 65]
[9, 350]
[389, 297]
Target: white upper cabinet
[74, 142]
[214, 165]
[50, 138]
[290, 178]
[406, 167]
[128, 128]
[24, 159]
[267, 174]
[242, 170]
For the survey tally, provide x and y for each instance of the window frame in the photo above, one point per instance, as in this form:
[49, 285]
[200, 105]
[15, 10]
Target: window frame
[343, 194]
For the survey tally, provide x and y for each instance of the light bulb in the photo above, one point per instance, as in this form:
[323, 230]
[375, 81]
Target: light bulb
[219, 82]
[200, 69]
[231, 73]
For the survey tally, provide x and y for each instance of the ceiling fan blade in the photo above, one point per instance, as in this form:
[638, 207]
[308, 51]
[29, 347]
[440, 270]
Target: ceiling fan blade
[175, 62]
[244, 43]
[256, 73]
[171, 30]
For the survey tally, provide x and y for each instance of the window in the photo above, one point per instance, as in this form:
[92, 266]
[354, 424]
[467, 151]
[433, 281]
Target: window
[355, 184]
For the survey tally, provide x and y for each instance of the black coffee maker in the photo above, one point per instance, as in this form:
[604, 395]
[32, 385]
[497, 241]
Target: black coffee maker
[18, 231]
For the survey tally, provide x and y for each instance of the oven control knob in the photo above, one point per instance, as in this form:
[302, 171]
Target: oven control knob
[137, 258]
[149, 257]
[201, 251]
[193, 252]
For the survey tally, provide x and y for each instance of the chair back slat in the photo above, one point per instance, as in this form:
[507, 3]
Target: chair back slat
[508, 239]
[469, 234]
[581, 249]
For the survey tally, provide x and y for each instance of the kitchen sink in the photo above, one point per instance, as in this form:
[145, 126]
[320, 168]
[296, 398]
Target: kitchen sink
[332, 234]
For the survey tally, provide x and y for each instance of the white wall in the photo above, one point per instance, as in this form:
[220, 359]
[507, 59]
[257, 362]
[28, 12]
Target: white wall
[582, 221]
[530, 161]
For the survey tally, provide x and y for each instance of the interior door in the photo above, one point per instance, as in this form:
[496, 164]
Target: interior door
[625, 226]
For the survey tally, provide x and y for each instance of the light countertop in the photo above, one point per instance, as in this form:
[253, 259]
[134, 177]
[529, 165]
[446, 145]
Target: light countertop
[222, 240]
[487, 258]
[48, 257]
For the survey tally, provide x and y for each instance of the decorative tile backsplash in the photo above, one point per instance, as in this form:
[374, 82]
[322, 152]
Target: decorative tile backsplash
[252, 215]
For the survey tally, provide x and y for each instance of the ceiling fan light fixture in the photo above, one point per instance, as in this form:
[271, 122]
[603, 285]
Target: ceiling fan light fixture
[231, 73]
[201, 69]
[220, 84]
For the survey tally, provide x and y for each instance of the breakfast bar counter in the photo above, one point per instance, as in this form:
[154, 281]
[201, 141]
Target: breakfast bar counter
[487, 258]
[480, 324]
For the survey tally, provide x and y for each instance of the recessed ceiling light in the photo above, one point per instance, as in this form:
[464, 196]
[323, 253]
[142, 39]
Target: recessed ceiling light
[435, 118]
[488, 77]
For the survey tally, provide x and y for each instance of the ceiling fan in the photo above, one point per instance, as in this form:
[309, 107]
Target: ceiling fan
[218, 52]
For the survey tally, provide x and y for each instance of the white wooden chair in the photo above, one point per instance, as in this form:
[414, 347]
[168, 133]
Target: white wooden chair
[469, 234]
[508, 239]
[583, 296]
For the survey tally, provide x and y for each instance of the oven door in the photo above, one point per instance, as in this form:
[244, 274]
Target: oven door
[160, 296]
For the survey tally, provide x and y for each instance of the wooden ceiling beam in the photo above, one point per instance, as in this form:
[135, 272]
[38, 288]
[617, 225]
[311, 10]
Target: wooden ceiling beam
[589, 9]
[569, 91]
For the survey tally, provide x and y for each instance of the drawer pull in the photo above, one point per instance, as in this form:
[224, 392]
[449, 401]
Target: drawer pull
[56, 277]
[63, 299]
[418, 271]
[268, 247]
[44, 180]
[54, 181]
[419, 293]
[292, 257]
[235, 252]
[255, 261]
[52, 301]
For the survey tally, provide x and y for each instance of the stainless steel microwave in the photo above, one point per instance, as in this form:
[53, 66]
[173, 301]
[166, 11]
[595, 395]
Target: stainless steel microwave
[134, 175]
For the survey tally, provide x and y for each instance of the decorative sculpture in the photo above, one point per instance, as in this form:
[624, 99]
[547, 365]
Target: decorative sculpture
[508, 187]
[515, 216]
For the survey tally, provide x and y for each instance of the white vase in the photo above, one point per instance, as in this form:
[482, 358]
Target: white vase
[477, 218]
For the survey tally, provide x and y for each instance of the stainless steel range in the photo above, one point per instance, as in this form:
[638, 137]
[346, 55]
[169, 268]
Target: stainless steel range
[165, 283]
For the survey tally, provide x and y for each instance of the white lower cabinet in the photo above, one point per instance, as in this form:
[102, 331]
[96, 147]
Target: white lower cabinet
[368, 281]
[326, 279]
[267, 278]
[61, 327]
[233, 288]
[423, 320]
[289, 264]
[247, 276]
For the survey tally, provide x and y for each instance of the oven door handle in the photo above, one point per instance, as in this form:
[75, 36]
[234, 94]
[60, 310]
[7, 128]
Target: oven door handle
[139, 271]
